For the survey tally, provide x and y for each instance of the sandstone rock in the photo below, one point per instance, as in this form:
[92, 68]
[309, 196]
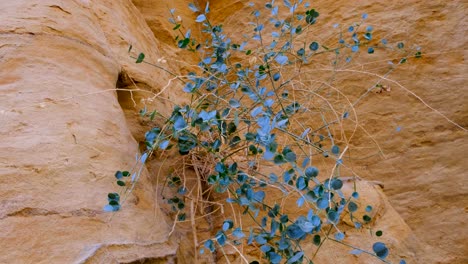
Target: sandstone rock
[64, 134]
[65, 130]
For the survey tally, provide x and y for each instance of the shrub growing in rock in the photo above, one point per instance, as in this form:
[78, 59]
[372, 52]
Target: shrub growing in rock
[253, 104]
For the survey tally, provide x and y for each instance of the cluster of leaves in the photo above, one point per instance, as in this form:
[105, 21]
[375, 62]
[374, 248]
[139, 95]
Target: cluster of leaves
[239, 109]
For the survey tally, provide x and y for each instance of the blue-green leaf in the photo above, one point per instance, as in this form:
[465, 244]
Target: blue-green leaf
[265, 248]
[227, 225]
[380, 250]
[234, 103]
[260, 239]
[109, 208]
[274, 258]
[300, 201]
[336, 184]
[276, 76]
[144, 157]
[200, 18]
[352, 207]
[256, 111]
[210, 245]
[295, 232]
[281, 59]
[118, 175]
[339, 236]
[335, 150]
[164, 144]
[259, 196]
[179, 123]
[193, 7]
[296, 257]
[238, 233]
[314, 46]
[311, 172]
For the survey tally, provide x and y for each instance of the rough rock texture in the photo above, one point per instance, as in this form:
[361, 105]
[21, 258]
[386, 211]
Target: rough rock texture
[65, 130]
[64, 134]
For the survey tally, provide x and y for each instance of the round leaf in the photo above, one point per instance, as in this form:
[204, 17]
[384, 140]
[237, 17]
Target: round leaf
[380, 250]
[311, 172]
[352, 207]
[314, 46]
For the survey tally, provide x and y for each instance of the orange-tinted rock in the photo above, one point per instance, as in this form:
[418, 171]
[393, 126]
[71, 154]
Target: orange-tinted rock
[63, 136]
[65, 130]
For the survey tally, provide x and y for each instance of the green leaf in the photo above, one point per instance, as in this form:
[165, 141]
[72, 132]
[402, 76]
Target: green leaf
[121, 183]
[181, 217]
[113, 196]
[140, 58]
[180, 205]
[284, 219]
[234, 141]
[176, 27]
[152, 115]
[316, 240]
[279, 159]
[183, 43]
[366, 218]
[231, 128]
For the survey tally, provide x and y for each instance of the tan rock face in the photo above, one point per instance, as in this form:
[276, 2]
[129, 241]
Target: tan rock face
[64, 134]
[65, 130]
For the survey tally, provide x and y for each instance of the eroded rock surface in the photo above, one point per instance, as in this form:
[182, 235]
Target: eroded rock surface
[64, 134]
[65, 130]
